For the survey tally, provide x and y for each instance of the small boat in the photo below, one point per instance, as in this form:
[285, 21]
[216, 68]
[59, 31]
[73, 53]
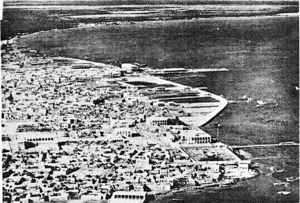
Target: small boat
[282, 183]
[260, 103]
[283, 192]
[291, 179]
[232, 102]
[244, 97]
[177, 200]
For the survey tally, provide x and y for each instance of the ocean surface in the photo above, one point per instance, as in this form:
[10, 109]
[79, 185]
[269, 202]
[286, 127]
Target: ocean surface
[262, 56]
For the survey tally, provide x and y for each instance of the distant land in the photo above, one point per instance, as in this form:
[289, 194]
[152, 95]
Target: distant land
[30, 16]
[114, 2]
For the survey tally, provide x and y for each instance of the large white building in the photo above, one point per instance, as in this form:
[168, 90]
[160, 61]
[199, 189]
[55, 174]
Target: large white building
[122, 132]
[128, 196]
[156, 120]
[194, 137]
[129, 67]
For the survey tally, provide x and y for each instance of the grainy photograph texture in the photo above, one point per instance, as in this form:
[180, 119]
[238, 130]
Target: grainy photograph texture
[158, 101]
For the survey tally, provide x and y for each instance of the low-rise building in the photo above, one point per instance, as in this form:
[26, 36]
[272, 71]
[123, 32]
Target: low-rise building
[153, 120]
[123, 132]
[194, 137]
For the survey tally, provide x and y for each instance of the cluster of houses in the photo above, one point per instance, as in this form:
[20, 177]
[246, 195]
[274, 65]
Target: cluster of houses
[87, 170]
[82, 100]
[79, 130]
[94, 170]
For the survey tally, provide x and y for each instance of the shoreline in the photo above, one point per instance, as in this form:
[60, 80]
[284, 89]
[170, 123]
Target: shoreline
[223, 103]
[149, 22]
[195, 189]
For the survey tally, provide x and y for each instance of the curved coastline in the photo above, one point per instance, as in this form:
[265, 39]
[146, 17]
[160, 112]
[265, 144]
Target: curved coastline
[280, 15]
[223, 103]
[216, 96]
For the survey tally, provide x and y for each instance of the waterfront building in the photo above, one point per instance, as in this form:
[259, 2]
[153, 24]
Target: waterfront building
[128, 67]
[128, 197]
[194, 137]
[154, 120]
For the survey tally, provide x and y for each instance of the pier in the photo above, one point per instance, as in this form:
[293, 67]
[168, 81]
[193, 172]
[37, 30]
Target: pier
[282, 144]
